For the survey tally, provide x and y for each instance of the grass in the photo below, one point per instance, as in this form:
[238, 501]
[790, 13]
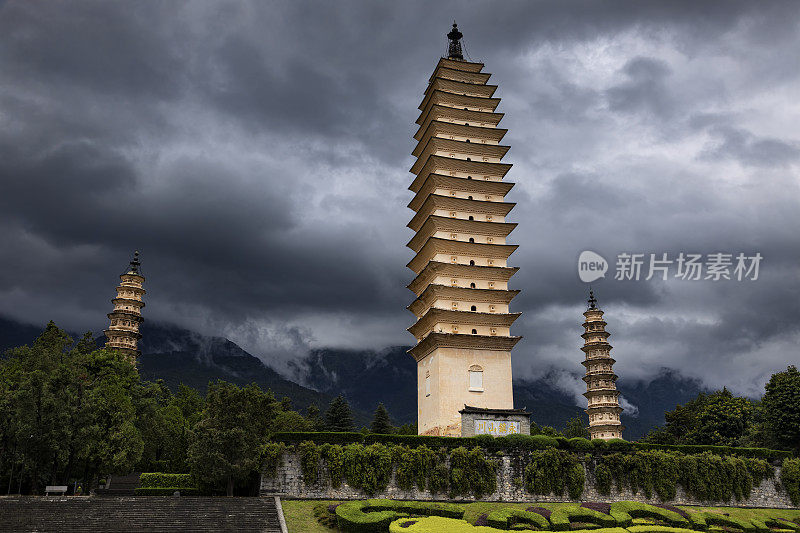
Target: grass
[299, 514]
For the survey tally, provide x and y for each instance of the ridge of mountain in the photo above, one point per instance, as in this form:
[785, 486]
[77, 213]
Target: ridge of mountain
[365, 377]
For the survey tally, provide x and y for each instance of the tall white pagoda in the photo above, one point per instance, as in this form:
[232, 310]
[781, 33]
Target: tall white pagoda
[463, 327]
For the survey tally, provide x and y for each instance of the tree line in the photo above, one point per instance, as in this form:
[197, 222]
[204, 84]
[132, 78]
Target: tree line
[724, 419]
[74, 413]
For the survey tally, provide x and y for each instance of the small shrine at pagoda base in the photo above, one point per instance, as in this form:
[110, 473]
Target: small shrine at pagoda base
[601, 382]
[463, 327]
[123, 332]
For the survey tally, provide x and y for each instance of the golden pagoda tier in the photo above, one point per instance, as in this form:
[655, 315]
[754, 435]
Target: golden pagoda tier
[123, 333]
[601, 382]
[463, 327]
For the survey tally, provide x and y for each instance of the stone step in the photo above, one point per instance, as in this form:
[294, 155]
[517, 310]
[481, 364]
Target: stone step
[144, 514]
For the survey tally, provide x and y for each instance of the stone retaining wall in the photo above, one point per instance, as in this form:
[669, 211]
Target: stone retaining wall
[289, 482]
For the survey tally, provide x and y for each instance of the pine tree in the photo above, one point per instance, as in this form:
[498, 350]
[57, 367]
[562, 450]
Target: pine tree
[381, 422]
[339, 416]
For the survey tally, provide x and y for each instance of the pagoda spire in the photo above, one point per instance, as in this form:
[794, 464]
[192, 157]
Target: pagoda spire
[601, 382]
[454, 47]
[123, 333]
[462, 306]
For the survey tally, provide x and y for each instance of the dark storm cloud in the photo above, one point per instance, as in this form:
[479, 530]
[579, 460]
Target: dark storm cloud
[258, 152]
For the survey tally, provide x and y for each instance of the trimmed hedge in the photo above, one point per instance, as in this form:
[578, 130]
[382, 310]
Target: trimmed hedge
[165, 480]
[705, 519]
[521, 442]
[658, 529]
[562, 517]
[166, 491]
[508, 517]
[625, 512]
[374, 516]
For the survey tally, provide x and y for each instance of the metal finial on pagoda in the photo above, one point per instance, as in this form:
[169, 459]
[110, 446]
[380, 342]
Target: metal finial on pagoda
[454, 48]
[123, 332]
[601, 382]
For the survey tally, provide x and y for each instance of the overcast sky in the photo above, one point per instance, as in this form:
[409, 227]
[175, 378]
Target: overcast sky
[257, 153]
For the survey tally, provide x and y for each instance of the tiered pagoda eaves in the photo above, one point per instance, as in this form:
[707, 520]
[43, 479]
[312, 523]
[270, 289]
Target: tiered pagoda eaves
[123, 333]
[601, 382]
[464, 341]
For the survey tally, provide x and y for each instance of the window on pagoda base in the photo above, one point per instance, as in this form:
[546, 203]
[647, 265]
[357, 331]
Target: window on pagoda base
[471, 262]
[472, 285]
[473, 308]
[475, 378]
[474, 331]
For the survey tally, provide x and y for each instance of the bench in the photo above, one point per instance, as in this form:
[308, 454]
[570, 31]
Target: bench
[55, 488]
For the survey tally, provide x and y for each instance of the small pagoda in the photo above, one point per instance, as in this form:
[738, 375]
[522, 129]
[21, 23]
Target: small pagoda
[123, 333]
[463, 327]
[601, 382]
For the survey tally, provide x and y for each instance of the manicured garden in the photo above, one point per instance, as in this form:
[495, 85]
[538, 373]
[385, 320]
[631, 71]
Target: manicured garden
[378, 516]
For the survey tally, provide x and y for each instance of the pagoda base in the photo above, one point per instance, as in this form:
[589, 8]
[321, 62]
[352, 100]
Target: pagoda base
[444, 386]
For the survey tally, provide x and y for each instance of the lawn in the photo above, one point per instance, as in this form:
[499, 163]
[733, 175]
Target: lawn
[300, 518]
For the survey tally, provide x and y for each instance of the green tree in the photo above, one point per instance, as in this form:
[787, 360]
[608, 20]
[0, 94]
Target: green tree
[781, 409]
[718, 418]
[230, 436]
[576, 427]
[339, 416]
[314, 417]
[381, 422]
[68, 412]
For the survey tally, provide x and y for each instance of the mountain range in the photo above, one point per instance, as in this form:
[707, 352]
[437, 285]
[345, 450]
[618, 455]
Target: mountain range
[365, 377]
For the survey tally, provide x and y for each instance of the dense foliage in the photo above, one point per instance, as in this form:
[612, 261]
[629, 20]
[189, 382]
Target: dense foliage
[620, 517]
[73, 412]
[554, 472]
[369, 467]
[722, 419]
[704, 476]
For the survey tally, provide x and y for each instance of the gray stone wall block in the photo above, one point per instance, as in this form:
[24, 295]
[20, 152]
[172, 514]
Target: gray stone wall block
[288, 481]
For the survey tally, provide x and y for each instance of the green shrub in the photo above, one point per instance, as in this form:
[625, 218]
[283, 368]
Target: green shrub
[368, 468]
[375, 515]
[471, 472]
[271, 456]
[508, 517]
[309, 461]
[166, 491]
[624, 511]
[715, 519]
[359, 517]
[579, 444]
[563, 516]
[551, 471]
[603, 479]
[790, 479]
[161, 480]
[437, 483]
[333, 455]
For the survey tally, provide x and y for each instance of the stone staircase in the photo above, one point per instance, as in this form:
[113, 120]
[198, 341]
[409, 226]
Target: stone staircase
[142, 514]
